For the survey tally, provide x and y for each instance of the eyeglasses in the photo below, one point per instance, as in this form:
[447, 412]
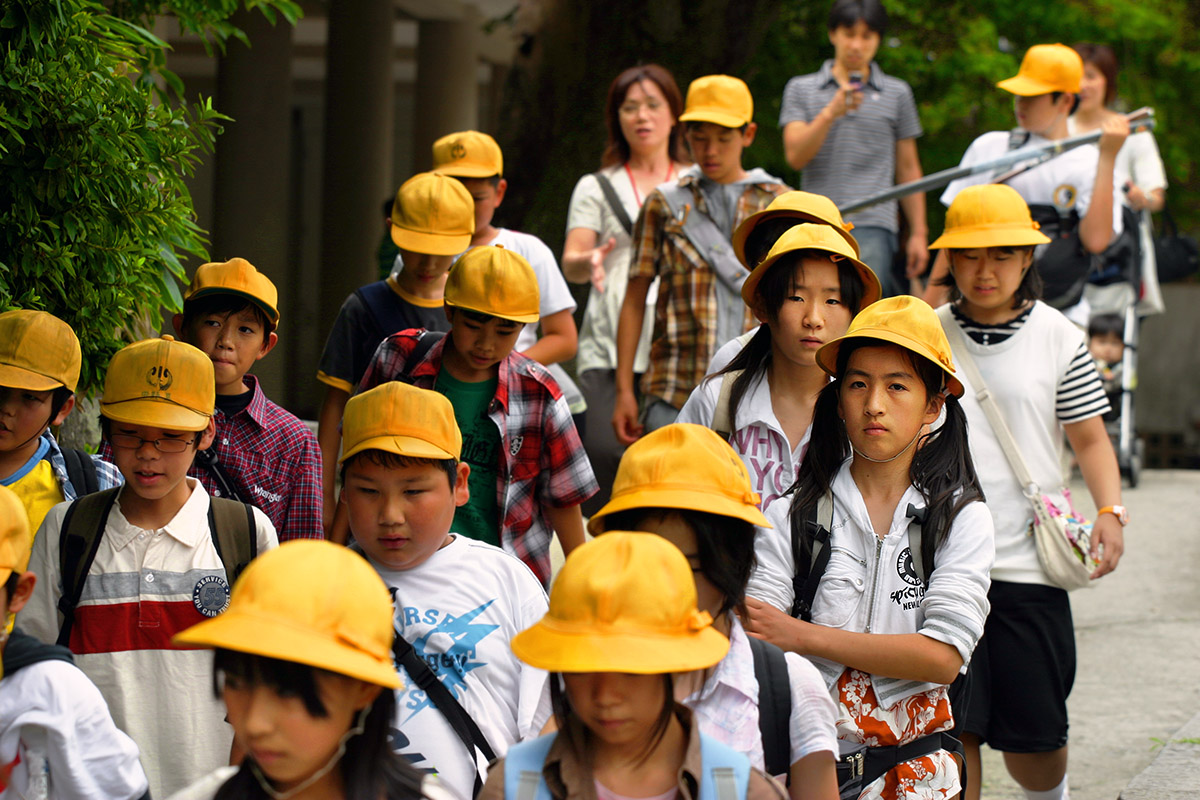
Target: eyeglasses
[127, 441]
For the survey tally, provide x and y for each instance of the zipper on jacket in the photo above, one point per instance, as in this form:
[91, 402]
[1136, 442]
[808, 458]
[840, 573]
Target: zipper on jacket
[874, 583]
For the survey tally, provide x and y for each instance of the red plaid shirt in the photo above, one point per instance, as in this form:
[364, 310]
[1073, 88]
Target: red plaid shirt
[542, 462]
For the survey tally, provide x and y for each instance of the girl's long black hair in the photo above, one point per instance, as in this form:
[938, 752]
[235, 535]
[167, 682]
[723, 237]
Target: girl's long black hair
[772, 290]
[370, 768]
[942, 470]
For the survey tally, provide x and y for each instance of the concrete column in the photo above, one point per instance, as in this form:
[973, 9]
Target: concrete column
[447, 86]
[358, 148]
[251, 182]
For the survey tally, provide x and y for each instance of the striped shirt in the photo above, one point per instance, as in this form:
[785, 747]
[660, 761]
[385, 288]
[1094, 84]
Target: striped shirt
[858, 157]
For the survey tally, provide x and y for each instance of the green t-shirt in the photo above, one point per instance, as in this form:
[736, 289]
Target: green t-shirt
[479, 518]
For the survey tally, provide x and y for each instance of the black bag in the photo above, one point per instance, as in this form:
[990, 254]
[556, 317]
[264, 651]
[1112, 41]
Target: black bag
[1065, 263]
[1178, 255]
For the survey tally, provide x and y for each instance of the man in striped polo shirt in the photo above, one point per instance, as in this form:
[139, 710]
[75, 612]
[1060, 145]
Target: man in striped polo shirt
[853, 130]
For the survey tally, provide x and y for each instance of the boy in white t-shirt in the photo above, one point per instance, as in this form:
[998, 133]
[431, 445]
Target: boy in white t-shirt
[458, 601]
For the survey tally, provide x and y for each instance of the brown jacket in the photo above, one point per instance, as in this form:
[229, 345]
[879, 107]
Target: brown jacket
[568, 779]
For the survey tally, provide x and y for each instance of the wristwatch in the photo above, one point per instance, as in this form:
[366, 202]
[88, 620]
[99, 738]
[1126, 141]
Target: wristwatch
[1120, 512]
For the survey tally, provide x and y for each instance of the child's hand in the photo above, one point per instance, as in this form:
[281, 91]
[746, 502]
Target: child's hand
[1113, 133]
[1108, 544]
[765, 621]
[598, 255]
[625, 418]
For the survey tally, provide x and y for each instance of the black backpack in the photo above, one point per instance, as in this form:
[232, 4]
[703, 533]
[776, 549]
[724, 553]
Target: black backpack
[774, 706]
[81, 471]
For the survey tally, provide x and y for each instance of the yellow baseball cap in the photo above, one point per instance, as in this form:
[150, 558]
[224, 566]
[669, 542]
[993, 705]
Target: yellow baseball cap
[16, 540]
[804, 206]
[989, 215]
[467, 154]
[682, 466]
[1046, 68]
[38, 351]
[236, 276]
[433, 214]
[905, 321]
[812, 236]
[310, 602]
[162, 383]
[625, 602]
[494, 280]
[720, 99]
[399, 418]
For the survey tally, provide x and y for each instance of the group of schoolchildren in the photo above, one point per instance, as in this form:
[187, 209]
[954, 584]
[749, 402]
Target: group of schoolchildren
[823, 568]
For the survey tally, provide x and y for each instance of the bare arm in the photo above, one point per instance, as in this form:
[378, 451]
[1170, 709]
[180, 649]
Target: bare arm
[583, 260]
[568, 526]
[629, 331]
[802, 140]
[329, 437]
[814, 777]
[1098, 463]
[937, 295]
[1095, 229]
[559, 341]
[916, 249]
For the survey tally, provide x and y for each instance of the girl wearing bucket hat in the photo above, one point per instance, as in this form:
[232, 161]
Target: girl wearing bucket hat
[622, 619]
[684, 483]
[304, 664]
[1036, 366]
[890, 628]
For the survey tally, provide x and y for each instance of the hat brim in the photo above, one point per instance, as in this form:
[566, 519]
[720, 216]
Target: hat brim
[156, 413]
[678, 497]
[1024, 86]
[556, 648]
[972, 237]
[827, 355]
[754, 220]
[467, 171]
[277, 638]
[408, 446]
[271, 312]
[715, 116]
[524, 318]
[19, 378]
[433, 244]
[872, 289]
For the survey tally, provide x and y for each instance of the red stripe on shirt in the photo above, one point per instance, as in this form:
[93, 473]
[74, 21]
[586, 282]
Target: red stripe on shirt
[121, 627]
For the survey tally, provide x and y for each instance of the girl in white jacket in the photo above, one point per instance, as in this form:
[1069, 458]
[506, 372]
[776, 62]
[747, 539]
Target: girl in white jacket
[890, 628]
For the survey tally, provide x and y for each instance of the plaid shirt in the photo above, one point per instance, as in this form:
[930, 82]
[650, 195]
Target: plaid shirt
[685, 319]
[542, 462]
[107, 475]
[274, 461]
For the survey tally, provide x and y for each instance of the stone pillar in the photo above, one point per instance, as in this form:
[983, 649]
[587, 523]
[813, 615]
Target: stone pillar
[358, 148]
[447, 86]
[251, 181]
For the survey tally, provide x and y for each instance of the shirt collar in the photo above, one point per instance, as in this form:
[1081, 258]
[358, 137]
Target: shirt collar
[189, 526]
[849, 499]
[735, 670]
[825, 77]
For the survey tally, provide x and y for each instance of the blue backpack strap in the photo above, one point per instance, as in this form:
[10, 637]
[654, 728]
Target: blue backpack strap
[523, 764]
[726, 771]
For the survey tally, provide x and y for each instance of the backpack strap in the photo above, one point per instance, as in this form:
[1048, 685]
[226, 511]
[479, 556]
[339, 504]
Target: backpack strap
[726, 772]
[808, 570]
[614, 202]
[234, 534]
[722, 418]
[774, 705]
[78, 541]
[700, 229]
[425, 342]
[209, 459]
[523, 779]
[922, 560]
[81, 471]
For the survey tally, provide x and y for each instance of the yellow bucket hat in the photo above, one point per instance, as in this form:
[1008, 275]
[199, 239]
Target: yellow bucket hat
[810, 236]
[468, 154]
[804, 206]
[399, 418]
[494, 280]
[310, 602]
[38, 351]
[905, 321]
[625, 602]
[16, 540]
[162, 383]
[1046, 68]
[682, 466]
[433, 214]
[721, 99]
[239, 277]
[989, 215]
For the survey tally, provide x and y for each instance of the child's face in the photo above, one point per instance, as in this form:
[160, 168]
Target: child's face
[425, 270]
[1107, 347]
[487, 199]
[854, 46]
[401, 516]
[675, 529]
[883, 401]
[620, 709]
[646, 118]
[811, 315]
[234, 341]
[150, 473]
[25, 415]
[287, 742]
[718, 150]
[988, 278]
[475, 348]
[1038, 114]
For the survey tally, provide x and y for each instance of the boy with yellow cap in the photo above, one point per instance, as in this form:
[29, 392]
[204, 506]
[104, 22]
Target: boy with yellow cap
[529, 472]
[57, 738]
[40, 361]
[262, 454]
[433, 218]
[459, 602]
[683, 236]
[125, 570]
[1071, 195]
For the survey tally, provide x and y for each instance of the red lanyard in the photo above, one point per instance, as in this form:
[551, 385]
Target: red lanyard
[636, 196]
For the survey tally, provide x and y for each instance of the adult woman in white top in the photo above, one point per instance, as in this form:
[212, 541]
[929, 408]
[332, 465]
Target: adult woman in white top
[645, 148]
